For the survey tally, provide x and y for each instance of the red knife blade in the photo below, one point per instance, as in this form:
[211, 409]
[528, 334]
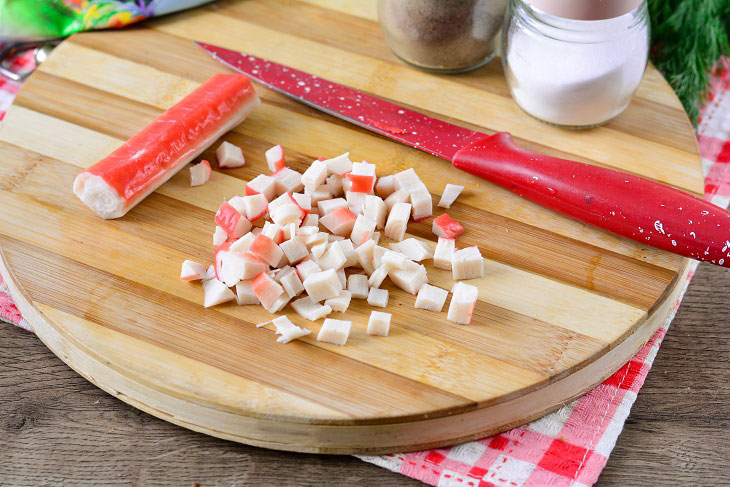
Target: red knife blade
[637, 208]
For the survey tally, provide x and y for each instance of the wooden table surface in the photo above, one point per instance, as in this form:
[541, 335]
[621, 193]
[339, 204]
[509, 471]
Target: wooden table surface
[58, 429]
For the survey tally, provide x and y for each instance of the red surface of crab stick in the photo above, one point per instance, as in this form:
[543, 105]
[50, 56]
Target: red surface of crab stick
[114, 185]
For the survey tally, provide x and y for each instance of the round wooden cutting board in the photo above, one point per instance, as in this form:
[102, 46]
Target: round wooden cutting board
[562, 305]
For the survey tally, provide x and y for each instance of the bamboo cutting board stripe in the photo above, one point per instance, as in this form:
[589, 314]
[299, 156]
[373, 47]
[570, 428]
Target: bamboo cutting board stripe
[562, 305]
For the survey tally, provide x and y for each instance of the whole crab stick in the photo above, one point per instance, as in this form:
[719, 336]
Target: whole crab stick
[114, 185]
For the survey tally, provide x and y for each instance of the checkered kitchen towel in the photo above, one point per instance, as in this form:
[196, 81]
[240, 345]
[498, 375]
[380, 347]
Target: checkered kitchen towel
[570, 446]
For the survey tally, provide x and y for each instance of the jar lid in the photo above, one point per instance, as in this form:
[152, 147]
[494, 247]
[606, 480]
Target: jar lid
[586, 9]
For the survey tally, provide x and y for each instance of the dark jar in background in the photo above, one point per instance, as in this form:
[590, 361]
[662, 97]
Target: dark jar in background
[448, 36]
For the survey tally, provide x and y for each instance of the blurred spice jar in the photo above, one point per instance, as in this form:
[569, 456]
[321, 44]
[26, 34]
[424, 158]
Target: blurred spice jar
[447, 36]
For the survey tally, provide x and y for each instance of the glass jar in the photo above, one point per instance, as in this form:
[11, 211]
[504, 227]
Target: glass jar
[574, 72]
[447, 36]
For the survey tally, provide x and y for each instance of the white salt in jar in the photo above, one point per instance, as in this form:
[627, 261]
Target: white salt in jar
[575, 64]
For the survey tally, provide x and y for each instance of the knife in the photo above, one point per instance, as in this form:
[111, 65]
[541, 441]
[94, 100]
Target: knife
[634, 207]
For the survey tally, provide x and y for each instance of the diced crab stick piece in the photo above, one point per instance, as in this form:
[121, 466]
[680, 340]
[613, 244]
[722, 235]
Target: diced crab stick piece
[316, 238]
[395, 227]
[274, 232]
[422, 203]
[323, 285]
[209, 273]
[112, 186]
[243, 243]
[330, 205]
[310, 220]
[231, 221]
[410, 279]
[431, 298]
[362, 177]
[309, 310]
[245, 294]
[315, 175]
[467, 264]
[215, 292]
[265, 249]
[451, 192]
[400, 196]
[333, 258]
[378, 253]
[290, 230]
[393, 259]
[334, 183]
[266, 289]
[255, 206]
[279, 304]
[413, 248]
[463, 301]
[282, 199]
[365, 256]
[339, 165]
[339, 221]
[292, 284]
[238, 202]
[219, 236]
[275, 158]
[443, 255]
[288, 330]
[285, 214]
[378, 276]
[385, 186]
[447, 227]
[319, 249]
[362, 230]
[356, 201]
[407, 180]
[342, 277]
[334, 331]
[287, 180]
[262, 184]
[339, 303]
[318, 194]
[304, 232]
[229, 156]
[216, 256]
[349, 250]
[357, 284]
[192, 271]
[379, 323]
[238, 266]
[378, 297]
[306, 268]
[303, 201]
[376, 209]
[200, 173]
[294, 250]
[346, 183]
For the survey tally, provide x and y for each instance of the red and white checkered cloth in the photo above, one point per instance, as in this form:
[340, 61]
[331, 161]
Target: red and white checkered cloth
[569, 447]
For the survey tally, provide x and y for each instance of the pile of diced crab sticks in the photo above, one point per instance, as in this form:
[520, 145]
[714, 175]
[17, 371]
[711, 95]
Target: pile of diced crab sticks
[271, 249]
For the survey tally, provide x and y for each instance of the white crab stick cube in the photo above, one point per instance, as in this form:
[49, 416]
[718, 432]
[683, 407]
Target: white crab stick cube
[310, 220]
[294, 250]
[400, 196]
[328, 206]
[467, 264]
[333, 258]
[334, 183]
[339, 221]
[275, 158]
[379, 323]
[392, 259]
[315, 175]
[262, 184]
[245, 294]
[274, 231]
[309, 310]
[282, 199]
[290, 230]
[362, 230]
[316, 238]
[413, 248]
[229, 155]
[451, 192]
[209, 273]
[288, 330]
[362, 177]
[265, 249]
[376, 209]
[266, 289]
[385, 186]
[200, 173]
[407, 180]
[395, 227]
[422, 203]
[357, 284]
[243, 243]
[356, 201]
[285, 214]
[318, 250]
[192, 271]
[231, 221]
[303, 201]
[334, 331]
[378, 297]
[215, 292]
[410, 278]
[431, 298]
[287, 180]
[291, 283]
[341, 302]
[219, 236]
[339, 165]
[346, 184]
[255, 206]
[463, 300]
[235, 266]
[365, 256]
[349, 250]
[378, 276]
[378, 253]
[323, 285]
[318, 194]
[443, 255]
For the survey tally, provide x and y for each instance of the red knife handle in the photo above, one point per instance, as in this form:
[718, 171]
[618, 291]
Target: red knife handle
[631, 206]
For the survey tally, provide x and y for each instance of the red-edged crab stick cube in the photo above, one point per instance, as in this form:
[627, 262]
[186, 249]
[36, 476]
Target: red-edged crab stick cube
[339, 221]
[200, 173]
[231, 221]
[275, 158]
